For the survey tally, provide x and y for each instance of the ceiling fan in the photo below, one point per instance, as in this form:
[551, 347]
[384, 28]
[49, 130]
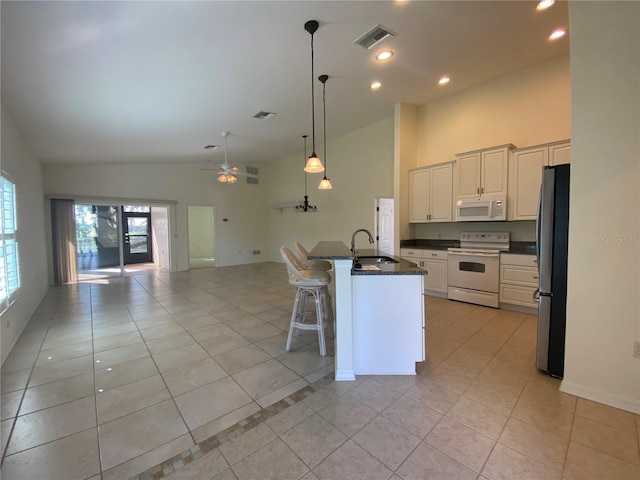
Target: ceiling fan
[227, 173]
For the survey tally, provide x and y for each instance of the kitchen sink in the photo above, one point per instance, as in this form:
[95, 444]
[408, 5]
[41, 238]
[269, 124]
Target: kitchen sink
[373, 260]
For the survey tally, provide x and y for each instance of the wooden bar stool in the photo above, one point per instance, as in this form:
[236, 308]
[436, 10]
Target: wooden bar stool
[309, 282]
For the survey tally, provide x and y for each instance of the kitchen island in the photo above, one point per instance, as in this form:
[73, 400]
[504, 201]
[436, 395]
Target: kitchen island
[379, 313]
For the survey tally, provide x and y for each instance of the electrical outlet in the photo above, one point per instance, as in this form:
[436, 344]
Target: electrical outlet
[636, 349]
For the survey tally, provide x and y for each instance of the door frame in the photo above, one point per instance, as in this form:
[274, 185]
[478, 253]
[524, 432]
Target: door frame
[172, 227]
[127, 256]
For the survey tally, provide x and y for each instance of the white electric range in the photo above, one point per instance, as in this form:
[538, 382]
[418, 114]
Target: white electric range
[474, 267]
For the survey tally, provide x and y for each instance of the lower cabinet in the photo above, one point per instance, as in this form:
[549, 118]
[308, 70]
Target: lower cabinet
[519, 279]
[434, 262]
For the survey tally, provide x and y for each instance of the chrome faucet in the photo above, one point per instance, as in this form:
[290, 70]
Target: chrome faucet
[353, 239]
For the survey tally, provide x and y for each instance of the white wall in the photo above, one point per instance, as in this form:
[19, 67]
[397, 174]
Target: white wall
[26, 172]
[201, 229]
[603, 310]
[360, 167]
[404, 159]
[244, 206]
[528, 107]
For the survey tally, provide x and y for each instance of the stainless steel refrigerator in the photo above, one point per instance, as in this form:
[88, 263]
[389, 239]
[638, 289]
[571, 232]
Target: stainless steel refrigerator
[552, 249]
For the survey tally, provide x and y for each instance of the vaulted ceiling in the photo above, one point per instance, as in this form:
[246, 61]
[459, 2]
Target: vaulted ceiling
[151, 82]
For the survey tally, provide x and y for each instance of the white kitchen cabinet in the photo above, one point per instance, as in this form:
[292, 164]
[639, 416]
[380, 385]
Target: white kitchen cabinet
[418, 195]
[411, 254]
[435, 263]
[525, 176]
[560, 153]
[518, 280]
[524, 183]
[483, 172]
[431, 194]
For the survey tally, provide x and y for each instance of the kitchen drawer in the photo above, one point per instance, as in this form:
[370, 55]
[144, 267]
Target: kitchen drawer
[518, 259]
[411, 253]
[434, 254]
[518, 275]
[518, 295]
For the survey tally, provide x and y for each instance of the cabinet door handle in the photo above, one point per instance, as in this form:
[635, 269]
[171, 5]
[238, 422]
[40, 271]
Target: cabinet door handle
[536, 278]
[478, 190]
[482, 190]
[434, 254]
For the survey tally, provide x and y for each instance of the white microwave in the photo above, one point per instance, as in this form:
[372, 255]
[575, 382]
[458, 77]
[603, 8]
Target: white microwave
[481, 209]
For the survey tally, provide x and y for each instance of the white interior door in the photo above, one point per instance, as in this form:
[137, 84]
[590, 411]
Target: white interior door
[384, 225]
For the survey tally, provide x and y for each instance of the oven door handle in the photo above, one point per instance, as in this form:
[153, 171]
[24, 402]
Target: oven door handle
[469, 254]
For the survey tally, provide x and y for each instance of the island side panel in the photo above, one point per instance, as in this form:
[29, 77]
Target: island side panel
[344, 320]
[388, 324]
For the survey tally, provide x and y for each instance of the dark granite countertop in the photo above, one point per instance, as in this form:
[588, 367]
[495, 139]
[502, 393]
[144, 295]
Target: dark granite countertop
[525, 248]
[334, 250]
[429, 244]
[330, 250]
[403, 267]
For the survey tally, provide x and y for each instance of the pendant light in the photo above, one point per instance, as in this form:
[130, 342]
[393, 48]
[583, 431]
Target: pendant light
[325, 184]
[305, 207]
[313, 165]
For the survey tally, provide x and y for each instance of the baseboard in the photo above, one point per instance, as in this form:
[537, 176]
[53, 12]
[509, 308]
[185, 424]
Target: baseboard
[345, 376]
[629, 404]
[432, 293]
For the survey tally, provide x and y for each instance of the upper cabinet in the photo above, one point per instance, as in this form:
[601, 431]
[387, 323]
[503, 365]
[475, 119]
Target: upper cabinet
[431, 193]
[483, 172]
[525, 176]
[560, 153]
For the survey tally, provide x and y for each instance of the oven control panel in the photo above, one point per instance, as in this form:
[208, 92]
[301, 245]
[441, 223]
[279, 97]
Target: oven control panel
[485, 237]
[485, 240]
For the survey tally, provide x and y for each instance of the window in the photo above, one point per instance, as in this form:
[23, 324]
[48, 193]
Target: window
[9, 271]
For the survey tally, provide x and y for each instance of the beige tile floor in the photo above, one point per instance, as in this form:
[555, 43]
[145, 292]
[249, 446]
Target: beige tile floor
[110, 379]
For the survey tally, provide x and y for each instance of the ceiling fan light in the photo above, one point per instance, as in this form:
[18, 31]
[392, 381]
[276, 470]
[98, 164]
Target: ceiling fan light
[314, 165]
[227, 178]
[325, 184]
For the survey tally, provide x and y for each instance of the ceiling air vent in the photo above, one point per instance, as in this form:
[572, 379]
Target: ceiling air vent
[375, 37]
[264, 115]
[252, 177]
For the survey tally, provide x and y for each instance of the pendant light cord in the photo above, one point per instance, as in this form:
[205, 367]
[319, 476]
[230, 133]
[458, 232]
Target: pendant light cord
[313, 110]
[324, 117]
[305, 161]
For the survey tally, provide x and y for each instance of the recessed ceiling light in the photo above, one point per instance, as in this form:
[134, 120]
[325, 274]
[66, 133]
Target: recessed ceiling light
[376, 85]
[558, 33]
[384, 55]
[544, 4]
[443, 81]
